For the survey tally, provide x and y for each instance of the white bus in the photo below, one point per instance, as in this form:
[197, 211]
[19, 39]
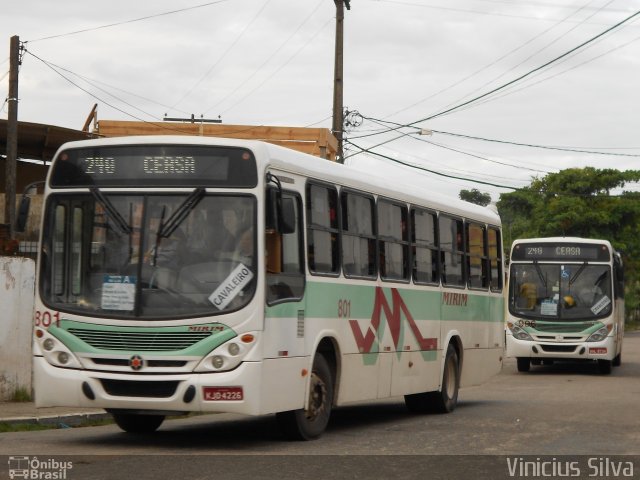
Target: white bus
[190, 274]
[566, 302]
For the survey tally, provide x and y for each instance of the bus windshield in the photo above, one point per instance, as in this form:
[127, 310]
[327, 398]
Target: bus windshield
[560, 292]
[148, 256]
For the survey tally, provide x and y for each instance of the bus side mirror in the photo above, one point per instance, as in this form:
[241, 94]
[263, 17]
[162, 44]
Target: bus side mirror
[23, 213]
[25, 204]
[280, 212]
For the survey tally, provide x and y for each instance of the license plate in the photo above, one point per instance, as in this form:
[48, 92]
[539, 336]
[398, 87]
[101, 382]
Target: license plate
[222, 394]
[598, 350]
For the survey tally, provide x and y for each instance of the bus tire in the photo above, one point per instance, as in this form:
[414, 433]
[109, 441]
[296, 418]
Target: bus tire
[604, 366]
[310, 423]
[524, 364]
[444, 400]
[617, 361]
[134, 423]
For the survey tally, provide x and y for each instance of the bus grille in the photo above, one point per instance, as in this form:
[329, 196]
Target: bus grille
[128, 388]
[139, 341]
[559, 348]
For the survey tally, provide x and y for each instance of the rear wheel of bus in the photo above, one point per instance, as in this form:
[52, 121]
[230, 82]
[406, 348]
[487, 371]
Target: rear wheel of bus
[310, 423]
[445, 400]
[136, 423]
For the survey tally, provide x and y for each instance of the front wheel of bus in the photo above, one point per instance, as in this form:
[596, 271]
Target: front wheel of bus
[604, 366]
[132, 423]
[524, 364]
[309, 423]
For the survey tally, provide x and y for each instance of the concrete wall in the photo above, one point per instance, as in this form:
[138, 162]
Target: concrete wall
[17, 281]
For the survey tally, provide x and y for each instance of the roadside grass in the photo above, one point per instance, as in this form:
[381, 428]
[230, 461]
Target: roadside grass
[21, 394]
[34, 426]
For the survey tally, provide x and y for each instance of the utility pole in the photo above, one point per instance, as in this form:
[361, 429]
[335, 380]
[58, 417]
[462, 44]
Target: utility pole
[338, 119]
[12, 136]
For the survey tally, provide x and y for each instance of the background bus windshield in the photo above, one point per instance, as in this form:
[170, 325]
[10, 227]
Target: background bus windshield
[564, 292]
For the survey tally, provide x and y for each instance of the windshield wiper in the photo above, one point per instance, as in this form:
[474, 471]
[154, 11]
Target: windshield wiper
[112, 212]
[577, 274]
[539, 271]
[177, 217]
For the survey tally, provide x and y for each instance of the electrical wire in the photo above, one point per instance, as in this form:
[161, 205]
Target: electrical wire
[491, 64]
[279, 69]
[530, 72]
[531, 145]
[93, 82]
[537, 52]
[275, 52]
[395, 160]
[224, 54]
[148, 17]
[524, 87]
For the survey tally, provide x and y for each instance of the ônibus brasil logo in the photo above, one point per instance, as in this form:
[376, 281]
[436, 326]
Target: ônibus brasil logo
[37, 469]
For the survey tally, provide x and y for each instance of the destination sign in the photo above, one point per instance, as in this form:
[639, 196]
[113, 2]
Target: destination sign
[561, 251]
[154, 165]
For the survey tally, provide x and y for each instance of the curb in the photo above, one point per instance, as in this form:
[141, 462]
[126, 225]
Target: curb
[61, 421]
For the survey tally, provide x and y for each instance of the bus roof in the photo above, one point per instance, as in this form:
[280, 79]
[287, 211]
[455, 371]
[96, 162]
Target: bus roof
[270, 155]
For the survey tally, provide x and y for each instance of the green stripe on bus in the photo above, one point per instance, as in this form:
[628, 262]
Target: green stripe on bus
[333, 300]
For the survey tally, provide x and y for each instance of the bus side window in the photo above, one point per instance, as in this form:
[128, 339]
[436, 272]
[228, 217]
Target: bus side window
[452, 253]
[495, 259]
[285, 272]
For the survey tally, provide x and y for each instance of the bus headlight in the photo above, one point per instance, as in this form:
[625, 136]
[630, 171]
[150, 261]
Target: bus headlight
[518, 332]
[600, 334]
[228, 355]
[54, 351]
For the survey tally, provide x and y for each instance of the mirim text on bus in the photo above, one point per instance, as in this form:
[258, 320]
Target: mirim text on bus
[566, 302]
[182, 274]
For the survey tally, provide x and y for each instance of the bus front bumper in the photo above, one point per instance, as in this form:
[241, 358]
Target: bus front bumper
[202, 392]
[604, 350]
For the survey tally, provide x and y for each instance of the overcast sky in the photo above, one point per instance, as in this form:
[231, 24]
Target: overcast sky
[270, 62]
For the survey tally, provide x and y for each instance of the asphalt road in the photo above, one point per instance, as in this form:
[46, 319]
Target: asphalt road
[559, 410]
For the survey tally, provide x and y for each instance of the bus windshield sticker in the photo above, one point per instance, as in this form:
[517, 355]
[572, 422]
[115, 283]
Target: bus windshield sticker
[231, 286]
[548, 307]
[600, 305]
[118, 292]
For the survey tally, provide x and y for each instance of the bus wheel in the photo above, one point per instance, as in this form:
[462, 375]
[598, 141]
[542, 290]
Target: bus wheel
[617, 361]
[604, 366]
[133, 423]
[310, 423]
[445, 400]
[524, 364]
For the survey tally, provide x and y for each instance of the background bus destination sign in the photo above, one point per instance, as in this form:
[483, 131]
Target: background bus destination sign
[565, 251]
[155, 165]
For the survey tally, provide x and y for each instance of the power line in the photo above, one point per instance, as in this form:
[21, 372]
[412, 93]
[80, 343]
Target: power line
[282, 45]
[531, 145]
[368, 150]
[530, 72]
[524, 87]
[544, 47]
[279, 69]
[148, 17]
[223, 56]
[93, 82]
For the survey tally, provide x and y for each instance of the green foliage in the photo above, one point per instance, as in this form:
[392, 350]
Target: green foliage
[475, 196]
[577, 202]
[21, 394]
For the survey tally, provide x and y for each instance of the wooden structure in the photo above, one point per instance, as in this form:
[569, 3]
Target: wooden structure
[315, 141]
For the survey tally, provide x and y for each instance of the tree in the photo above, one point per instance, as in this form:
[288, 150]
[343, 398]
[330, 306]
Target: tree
[578, 202]
[475, 196]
